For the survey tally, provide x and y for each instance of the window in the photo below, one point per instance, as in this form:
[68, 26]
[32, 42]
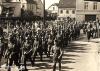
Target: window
[31, 7]
[95, 6]
[53, 8]
[67, 11]
[61, 11]
[86, 5]
[73, 12]
[58, 18]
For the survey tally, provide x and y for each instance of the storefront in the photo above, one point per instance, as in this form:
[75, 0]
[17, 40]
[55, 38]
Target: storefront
[90, 17]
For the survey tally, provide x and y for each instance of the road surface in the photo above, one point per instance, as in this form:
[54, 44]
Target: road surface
[80, 55]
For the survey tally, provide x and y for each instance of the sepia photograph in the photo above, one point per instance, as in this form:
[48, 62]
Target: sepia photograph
[49, 35]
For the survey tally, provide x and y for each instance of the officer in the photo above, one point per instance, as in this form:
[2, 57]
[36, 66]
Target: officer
[58, 52]
[27, 53]
[49, 44]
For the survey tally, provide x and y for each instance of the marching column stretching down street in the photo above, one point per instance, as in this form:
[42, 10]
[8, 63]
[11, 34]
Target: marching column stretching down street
[64, 37]
[80, 54]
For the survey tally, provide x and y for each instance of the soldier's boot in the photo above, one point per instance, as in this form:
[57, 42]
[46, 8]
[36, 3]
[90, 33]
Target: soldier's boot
[9, 69]
[49, 51]
[59, 66]
[33, 58]
[41, 57]
[32, 62]
[40, 53]
[46, 52]
[54, 67]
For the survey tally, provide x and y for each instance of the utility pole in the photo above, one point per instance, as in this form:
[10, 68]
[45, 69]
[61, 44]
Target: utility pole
[44, 13]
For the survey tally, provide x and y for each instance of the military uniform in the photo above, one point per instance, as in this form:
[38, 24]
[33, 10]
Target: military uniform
[35, 48]
[1, 31]
[57, 56]
[27, 53]
[1, 50]
[13, 54]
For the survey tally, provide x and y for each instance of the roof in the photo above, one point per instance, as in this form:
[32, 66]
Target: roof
[55, 4]
[8, 5]
[28, 1]
[67, 4]
[93, 0]
[6, 0]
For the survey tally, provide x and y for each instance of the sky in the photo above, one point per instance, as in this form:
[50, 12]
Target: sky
[50, 2]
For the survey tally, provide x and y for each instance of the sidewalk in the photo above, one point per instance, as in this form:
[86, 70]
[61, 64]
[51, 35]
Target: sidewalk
[97, 40]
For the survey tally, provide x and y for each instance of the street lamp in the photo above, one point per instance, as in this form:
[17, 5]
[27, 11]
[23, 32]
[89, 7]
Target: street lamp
[44, 13]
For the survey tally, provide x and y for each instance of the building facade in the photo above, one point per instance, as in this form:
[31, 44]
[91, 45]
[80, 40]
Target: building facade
[11, 9]
[67, 8]
[87, 10]
[39, 8]
[27, 5]
[82, 10]
[53, 10]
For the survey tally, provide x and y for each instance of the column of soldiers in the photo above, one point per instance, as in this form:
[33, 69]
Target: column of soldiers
[91, 29]
[26, 40]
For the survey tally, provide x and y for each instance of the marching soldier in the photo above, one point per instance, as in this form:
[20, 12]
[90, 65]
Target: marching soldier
[35, 48]
[58, 52]
[27, 53]
[13, 54]
[1, 49]
[88, 31]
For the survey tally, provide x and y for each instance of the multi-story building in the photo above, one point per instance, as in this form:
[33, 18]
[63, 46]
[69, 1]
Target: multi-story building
[39, 8]
[67, 8]
[11, 8]
[79, 9]
[87, 10]
[15, 6]
[53, 10]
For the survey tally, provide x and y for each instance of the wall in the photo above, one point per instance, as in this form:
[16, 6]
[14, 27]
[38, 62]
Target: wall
[39, 8]
[17, 11]
[64, 14]
[55, 10]
[17, 8]
[80, 11]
